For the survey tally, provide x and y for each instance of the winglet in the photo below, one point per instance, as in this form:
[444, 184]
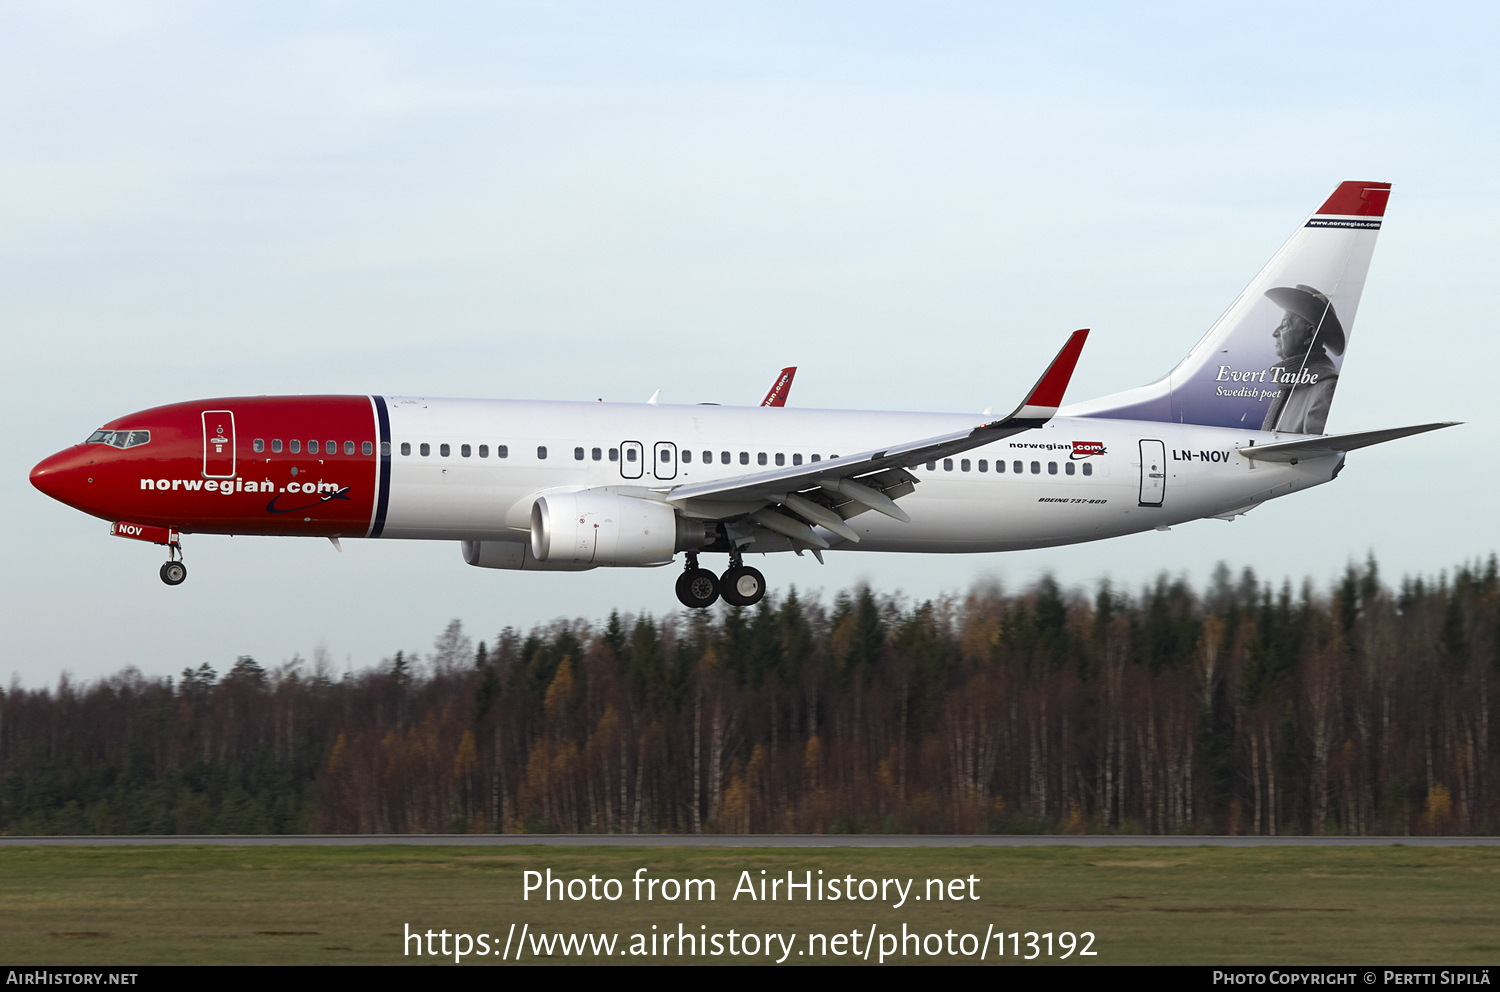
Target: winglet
[781, 388]
[1046, 396]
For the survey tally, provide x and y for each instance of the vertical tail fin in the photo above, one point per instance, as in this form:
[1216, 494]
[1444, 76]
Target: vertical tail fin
[1272, 361]
[781, 388]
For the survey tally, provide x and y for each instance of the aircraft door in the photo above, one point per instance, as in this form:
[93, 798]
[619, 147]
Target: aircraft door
[664, 460]
[218, 444]
[632, 460]
[1153, 472]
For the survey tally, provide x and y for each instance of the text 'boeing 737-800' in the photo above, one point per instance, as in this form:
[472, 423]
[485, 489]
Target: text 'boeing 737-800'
[569, 486]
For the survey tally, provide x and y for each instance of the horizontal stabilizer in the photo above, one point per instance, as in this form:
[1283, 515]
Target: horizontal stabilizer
[1316, 447]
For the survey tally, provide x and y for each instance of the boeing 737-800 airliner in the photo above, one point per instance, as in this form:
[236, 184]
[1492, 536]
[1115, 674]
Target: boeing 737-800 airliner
[573, 485]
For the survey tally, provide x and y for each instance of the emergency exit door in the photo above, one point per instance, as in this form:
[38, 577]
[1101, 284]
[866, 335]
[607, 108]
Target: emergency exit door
[1153, 472]
[664, 462]
[632, 462]
[218, 444]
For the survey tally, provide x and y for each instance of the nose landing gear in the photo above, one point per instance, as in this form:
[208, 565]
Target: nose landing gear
[174, 572]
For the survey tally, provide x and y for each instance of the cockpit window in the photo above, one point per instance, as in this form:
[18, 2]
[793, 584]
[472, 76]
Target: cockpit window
[119, 439]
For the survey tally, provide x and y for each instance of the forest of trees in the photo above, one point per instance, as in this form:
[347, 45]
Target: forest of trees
[1241, 708]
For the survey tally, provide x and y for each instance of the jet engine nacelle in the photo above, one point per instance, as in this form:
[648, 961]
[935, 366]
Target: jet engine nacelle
[607, 529]
[515, 555]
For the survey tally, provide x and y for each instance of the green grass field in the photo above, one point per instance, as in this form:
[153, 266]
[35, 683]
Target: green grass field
[318, 905]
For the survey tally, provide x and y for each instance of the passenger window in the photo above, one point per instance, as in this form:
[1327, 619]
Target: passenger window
[294, 446]
[385, 449]
[932, 466]
[598, 454]
[425, 449]
[817, 458]
[724, 457]
[260, 444]
[614, 454]
[444, 450]
[687, 457]
[332, 447]
[502, 451]
[1016, 467]
[406, 447]
[947, 464]
[963, 466]
[1069, 468]
[366, 448]
[630, 454]
[1052, 468]
[276, 445]
[312, 448]
[797, 459]
[760, 459]
[1088, 469]
[484, 451]
[666, 455]
[1036, 468]
[744, 458]
[465, 451]
[578, 454]
[984, 466]
[541, 452]
[348, 447]
[780, 458]
[708, 458]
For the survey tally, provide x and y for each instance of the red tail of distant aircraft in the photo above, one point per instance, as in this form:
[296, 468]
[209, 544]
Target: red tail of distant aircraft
[783, 387]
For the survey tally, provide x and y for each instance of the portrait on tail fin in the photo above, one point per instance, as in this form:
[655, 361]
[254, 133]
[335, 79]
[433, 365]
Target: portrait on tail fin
[1304, 369]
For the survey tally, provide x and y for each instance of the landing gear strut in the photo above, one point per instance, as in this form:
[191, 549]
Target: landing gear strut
[697, 588]
[174, 572]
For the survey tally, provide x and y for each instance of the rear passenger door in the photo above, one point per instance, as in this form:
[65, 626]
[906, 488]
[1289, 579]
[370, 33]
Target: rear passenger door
[1153, 473]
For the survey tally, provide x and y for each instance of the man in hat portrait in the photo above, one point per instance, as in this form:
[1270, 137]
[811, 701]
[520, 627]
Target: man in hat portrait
[1308, 331]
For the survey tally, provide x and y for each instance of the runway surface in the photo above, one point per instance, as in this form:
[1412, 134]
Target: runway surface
[739, 840]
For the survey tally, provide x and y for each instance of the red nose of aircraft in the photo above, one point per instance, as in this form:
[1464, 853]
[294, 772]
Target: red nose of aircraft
[67, 477]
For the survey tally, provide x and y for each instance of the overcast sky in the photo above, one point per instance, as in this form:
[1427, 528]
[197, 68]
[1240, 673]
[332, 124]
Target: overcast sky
[912, 202]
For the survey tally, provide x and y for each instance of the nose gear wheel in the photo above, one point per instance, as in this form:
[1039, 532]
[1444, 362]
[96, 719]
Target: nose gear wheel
[173, 571]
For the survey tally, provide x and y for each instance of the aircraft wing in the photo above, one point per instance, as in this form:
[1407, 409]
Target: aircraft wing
[1316, 447]
[871, 479]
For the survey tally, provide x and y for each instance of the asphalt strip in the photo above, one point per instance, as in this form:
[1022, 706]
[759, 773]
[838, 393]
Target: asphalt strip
[737, 840]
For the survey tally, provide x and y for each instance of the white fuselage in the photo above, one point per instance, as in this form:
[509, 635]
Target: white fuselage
[953, 510]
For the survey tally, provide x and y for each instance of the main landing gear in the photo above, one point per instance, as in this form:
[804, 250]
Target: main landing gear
[740, 585]
[174, 572]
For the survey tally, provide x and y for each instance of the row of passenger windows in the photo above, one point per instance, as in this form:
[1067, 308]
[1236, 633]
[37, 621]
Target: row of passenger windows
[313, 447]
[501, 450]
[761, 457]
[597, 454]
[707, 457]
[964, 465]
